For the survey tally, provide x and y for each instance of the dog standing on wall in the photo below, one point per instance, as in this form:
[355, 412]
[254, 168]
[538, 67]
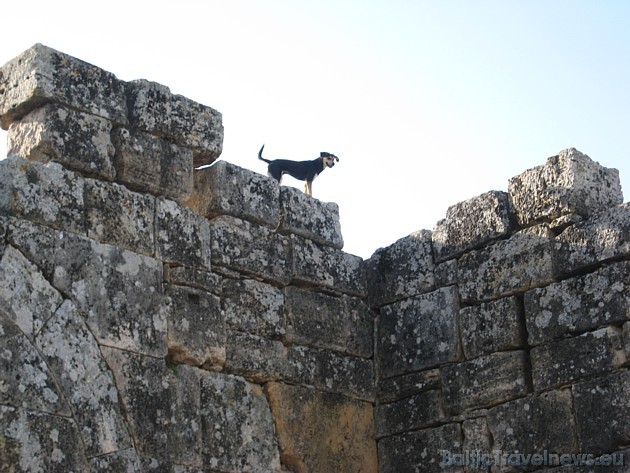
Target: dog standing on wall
[302, 170]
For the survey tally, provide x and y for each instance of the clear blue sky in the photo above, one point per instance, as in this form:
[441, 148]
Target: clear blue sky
[427, 103]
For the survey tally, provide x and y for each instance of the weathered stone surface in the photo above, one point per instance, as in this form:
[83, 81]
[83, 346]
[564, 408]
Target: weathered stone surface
[534, 424]
[332, 372]
[4, 223]
[255, 358]
[196, 327]
[340, 433]
[579, 304]
[147, 163]
[238, 427]
[401, 270]
[419, 332]
[119, 291]
[415, 412]
[123, 461]
[40, 75]
[477, 443]
[154, 109]
[32, 441]
[36, 242]
[445, 273]
[562, 361]
[602, 407]
[182, 236]
[254, 307]
[79, 141]
[491, 327]
[74, 357]
[422, 451]
[603, 237]
[324, 266]
[568, 183]
[472, 223]
[192, 277]
[485, 381]
[26, 297]
[250, 248]
[309, 218]
[120, 217]
[310, 316]
[394, 389]
[42, 193]
[227, 189]
[528, 259]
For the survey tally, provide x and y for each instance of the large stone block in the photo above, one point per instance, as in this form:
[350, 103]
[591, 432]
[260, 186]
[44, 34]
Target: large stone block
[339, 436]
[485, 381]
[310, 314]
[255, 358]
[148, 163]
[578, 304]
[154, 109]
[421, 451]
[472, 223]
[226, 189]
[419, 333]
[528, 259]
[41, 75]
[79, 141]
[401, 270]
[309, 218]
[251, 248]
[192, 277]
[491, 327]
[568, 183]
[415, 412]
[394, 389]
[533, 425]
[36, 242]
[602, 407]
[562, 361]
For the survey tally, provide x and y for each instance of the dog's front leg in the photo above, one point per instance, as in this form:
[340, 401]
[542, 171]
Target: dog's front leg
[308, 188]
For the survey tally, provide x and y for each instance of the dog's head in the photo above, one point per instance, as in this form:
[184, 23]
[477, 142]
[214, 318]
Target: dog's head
[329, 159]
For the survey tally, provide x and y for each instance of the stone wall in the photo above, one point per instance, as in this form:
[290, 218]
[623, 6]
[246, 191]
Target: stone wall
[158, 317]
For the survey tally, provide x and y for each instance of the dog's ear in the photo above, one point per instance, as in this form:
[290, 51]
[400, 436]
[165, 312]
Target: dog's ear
[324, 154]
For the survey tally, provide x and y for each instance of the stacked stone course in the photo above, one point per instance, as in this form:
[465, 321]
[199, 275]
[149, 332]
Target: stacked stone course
[158, 317]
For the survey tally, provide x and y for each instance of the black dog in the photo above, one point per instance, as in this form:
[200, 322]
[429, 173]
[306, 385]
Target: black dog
[301, 170]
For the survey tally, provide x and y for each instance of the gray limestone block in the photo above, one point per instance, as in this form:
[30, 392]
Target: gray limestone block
[193, 277]
[258, 359]
[154, 109]
[602, 407]
[327, 267]
[394, 389]
[26, 297]
[310, 218]
[445, 273]
[563, 361]
[251, 248]
[254, 307]
[491, 327]
[343, 324]
[419, 333]
[403, 269]
[196, 327]
[41, 75]
[77, 140]
[473, 223]
[148, 163]
[73, 355]
[534, 424]
[526, 260]
[227, 189]
[415, 412]
[36, 242]
[426, 451]
[331, 372]
[237, 424]
[567, 183]
[38, 441]
[120, 217]
[603, 237]
[578, 304]
[42, 193]
[182, 237]
[120, 293]
[485, 381]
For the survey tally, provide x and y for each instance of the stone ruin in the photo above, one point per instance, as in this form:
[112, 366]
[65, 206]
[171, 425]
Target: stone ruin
[155, 317]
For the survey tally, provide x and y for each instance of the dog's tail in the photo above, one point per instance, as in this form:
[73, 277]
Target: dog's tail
[260, 155]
